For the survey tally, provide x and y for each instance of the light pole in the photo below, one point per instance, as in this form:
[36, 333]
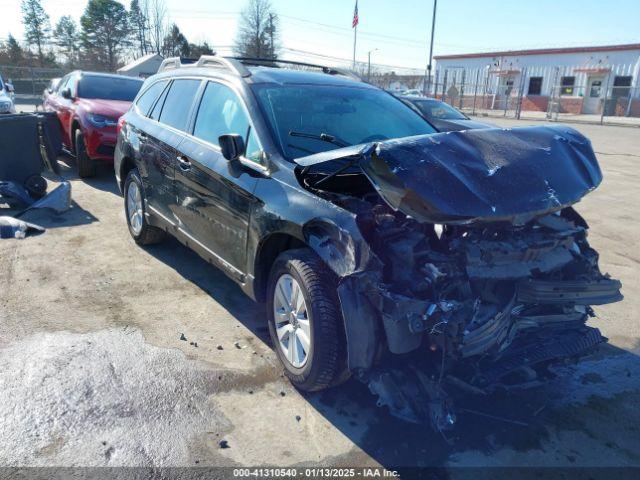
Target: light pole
[427, 80]
[369, 67]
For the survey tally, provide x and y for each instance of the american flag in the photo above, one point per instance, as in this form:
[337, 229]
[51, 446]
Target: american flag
[354, 24]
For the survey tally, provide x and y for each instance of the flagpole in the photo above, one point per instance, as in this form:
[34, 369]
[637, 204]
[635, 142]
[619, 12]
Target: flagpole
[355, 37]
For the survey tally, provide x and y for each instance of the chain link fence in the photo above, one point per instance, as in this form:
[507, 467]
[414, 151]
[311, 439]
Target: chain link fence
[601, 100]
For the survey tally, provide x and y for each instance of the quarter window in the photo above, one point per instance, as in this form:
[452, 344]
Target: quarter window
[220, 113]
[147, 99]
[177, 104]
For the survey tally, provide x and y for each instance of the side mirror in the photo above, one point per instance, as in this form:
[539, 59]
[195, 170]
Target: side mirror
[66, 93]
[232, 146]
[9, 87]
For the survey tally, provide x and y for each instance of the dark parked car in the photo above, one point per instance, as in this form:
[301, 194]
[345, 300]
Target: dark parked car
[442, 115]
[88, 106]
[423, 263]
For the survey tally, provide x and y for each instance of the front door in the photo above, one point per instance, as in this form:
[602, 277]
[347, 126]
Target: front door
[215, 197]
[595, 91]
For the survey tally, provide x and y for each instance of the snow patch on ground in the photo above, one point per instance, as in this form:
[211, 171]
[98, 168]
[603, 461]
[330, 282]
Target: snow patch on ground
[104, 398]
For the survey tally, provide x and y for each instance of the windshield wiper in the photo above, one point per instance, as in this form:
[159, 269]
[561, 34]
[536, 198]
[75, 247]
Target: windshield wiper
[323, 137]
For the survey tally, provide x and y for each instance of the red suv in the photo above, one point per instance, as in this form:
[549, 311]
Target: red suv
[89, 105]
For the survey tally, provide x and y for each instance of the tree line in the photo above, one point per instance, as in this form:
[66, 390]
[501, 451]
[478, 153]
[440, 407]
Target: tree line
[109, 34]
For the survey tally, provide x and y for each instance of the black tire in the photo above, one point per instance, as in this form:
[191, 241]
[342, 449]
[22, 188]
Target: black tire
[148, 234]
[36, 185]
[86, 165]
[326, 361]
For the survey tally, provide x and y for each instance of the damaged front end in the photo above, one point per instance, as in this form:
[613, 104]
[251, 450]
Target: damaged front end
[484, 275]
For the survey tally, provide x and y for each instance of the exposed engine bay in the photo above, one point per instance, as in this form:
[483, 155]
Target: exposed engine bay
[471, 300]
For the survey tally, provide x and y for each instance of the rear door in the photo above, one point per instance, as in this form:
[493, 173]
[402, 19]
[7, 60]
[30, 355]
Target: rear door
[215, 197]
[168, 120]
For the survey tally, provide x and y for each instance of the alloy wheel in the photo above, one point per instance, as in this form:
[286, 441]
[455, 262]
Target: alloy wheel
[292, 323]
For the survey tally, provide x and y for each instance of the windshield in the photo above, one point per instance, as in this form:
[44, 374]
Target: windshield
[108, 88]
[438, 110]
[343, 115]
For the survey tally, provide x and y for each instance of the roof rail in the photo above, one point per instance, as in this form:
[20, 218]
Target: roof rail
[169, 64]
[271, 62]
[222, 62]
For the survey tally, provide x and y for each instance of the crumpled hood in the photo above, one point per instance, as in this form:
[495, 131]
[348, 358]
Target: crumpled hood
[108, 108]
[478, 175]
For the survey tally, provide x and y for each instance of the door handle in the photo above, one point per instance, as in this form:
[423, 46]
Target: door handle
[183, 162]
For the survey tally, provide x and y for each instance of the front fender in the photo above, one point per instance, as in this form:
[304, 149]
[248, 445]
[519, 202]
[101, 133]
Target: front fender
[358, 270]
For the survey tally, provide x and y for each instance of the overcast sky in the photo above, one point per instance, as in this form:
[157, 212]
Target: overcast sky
[399, 29]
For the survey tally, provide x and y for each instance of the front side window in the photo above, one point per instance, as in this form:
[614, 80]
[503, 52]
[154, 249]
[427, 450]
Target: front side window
[177, 104]
[221, 113]
[349, 115]
[566, 85]
[108, 88]
[148, 98]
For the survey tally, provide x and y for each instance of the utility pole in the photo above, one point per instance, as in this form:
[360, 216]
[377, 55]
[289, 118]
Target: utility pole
[427, 80]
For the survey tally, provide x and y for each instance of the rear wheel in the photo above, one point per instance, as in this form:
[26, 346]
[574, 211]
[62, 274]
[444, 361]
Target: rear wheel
[305, 321]
[134, 207]
[86, 165]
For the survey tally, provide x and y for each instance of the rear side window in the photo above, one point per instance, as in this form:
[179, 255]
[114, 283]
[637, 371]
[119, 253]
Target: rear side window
[177, 103]
[221, 112]
[148, 98]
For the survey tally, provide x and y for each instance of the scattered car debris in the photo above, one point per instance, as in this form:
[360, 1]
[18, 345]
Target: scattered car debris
[14, 228]
[21, 163]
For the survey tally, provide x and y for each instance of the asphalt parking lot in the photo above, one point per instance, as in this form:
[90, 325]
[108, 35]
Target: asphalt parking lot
[95, 369]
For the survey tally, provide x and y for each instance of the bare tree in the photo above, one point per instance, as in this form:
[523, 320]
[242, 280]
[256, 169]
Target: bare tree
[258, 32]
[158, 24]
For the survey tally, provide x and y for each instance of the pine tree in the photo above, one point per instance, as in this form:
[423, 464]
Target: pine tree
[67, 38]
[36, 26]
[105, 32]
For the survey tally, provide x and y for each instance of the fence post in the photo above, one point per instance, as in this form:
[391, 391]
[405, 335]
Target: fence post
[464, 77]
[475, 92]
[523, 77]
[444, 86]
[606, 94]
[33, 85]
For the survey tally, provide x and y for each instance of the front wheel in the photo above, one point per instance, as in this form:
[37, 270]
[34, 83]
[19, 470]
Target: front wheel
[305, 320]
[86, 165]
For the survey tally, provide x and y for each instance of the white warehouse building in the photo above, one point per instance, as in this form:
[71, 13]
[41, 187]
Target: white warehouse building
[583, 80]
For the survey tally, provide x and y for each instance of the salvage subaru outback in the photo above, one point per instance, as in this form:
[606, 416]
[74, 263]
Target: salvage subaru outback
[425, 264]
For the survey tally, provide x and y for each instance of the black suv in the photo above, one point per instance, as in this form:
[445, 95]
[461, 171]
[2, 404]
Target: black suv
[423, 263]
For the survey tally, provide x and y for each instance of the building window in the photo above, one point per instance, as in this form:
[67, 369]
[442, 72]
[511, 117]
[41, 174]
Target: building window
[621, 86]
[535, 85]
[566, 85]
